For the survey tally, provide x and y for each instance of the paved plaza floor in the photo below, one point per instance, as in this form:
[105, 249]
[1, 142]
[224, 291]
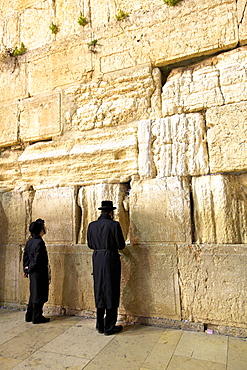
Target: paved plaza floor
[70, 342]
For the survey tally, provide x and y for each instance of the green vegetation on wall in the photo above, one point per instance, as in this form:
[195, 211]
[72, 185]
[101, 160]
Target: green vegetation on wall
[82, 21]
[54, 28]
[121, 15]
[171, 2]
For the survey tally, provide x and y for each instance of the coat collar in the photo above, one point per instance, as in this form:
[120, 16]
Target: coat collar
[104, 216]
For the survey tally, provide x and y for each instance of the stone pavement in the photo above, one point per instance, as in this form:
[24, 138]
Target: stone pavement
[70, 342]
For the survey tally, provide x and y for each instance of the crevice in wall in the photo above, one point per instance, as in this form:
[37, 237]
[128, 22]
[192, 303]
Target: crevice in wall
[192, 215]
[28, 209]
[243, 13]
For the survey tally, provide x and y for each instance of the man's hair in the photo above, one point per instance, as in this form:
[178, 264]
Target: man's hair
[107, 211]
[35, 228]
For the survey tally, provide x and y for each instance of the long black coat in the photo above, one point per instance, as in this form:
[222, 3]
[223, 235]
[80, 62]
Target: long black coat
[105, 237]
[36, 258]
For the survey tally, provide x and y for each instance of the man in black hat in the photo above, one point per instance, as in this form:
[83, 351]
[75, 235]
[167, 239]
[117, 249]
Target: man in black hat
[105, 237]
[35, 264]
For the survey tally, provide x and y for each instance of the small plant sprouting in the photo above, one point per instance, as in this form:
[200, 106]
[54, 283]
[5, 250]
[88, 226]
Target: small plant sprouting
[92, 46]
[20, 51]
[171, 2]
[13, 52]
[82, 20]
[54, 28]
[121, 15]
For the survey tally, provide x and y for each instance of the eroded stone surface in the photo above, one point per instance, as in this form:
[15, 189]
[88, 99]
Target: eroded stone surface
[220, 209]
[209, 272]
[160, 211]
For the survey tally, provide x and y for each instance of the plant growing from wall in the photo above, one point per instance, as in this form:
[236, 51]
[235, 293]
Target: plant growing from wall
[121, 15]
[20, 51]
[82, 20]
[171, 2]
[93, 45]
[54, 28]
[13, 52]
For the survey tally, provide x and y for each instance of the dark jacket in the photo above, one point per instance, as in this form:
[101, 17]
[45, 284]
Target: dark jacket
[36, 258]
[105, 237]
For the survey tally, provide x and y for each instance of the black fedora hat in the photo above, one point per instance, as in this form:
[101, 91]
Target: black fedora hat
[106, 204]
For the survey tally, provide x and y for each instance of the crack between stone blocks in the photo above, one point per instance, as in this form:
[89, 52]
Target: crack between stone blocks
[243, 14]
[179, 283]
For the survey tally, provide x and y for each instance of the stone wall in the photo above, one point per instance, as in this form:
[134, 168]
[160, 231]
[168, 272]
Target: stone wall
[152, 117]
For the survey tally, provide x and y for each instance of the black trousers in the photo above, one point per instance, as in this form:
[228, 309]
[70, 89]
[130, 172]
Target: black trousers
[34, 312]
[106, 319]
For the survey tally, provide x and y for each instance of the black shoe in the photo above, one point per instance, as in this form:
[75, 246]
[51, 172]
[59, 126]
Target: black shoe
[42, 320]
[115, 330]
[27, 320]
[100, 331]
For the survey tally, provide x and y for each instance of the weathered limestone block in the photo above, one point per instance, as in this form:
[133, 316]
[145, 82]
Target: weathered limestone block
[9, 283]
[61, 63]
[179, 145]
[15, 213]
[191, 89]
[57, 206]
[213, 283]
[233, 79]
[214, 82]
[89, 200]
[71, 280]
[35, 20]
[242, 21]
[10, 172]
[146, 167]
[226, 137]
[159, 31]
[160, 211]
[99, 156]
[13, 79]
[220, 209]
[117, 98]
[9, 29]
[8, 124]
[150, 281]
[40, 117]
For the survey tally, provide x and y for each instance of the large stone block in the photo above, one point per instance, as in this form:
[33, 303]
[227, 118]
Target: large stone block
[13, 79]
[57, 206]
[15, 213]
[10, 173]
[169, 45]
[179, 145]
[99, 156]
[220, 209]
[8, 124]
[40, 117]
[213, 283]
[9, 284]
[214, 82]
[150, 282]
[233, 79]
[71, 277]
[226, 137]
[160, 211]
[89, 200]
[191, 89]
[117, 98]
[61, 64]
[35, 19]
